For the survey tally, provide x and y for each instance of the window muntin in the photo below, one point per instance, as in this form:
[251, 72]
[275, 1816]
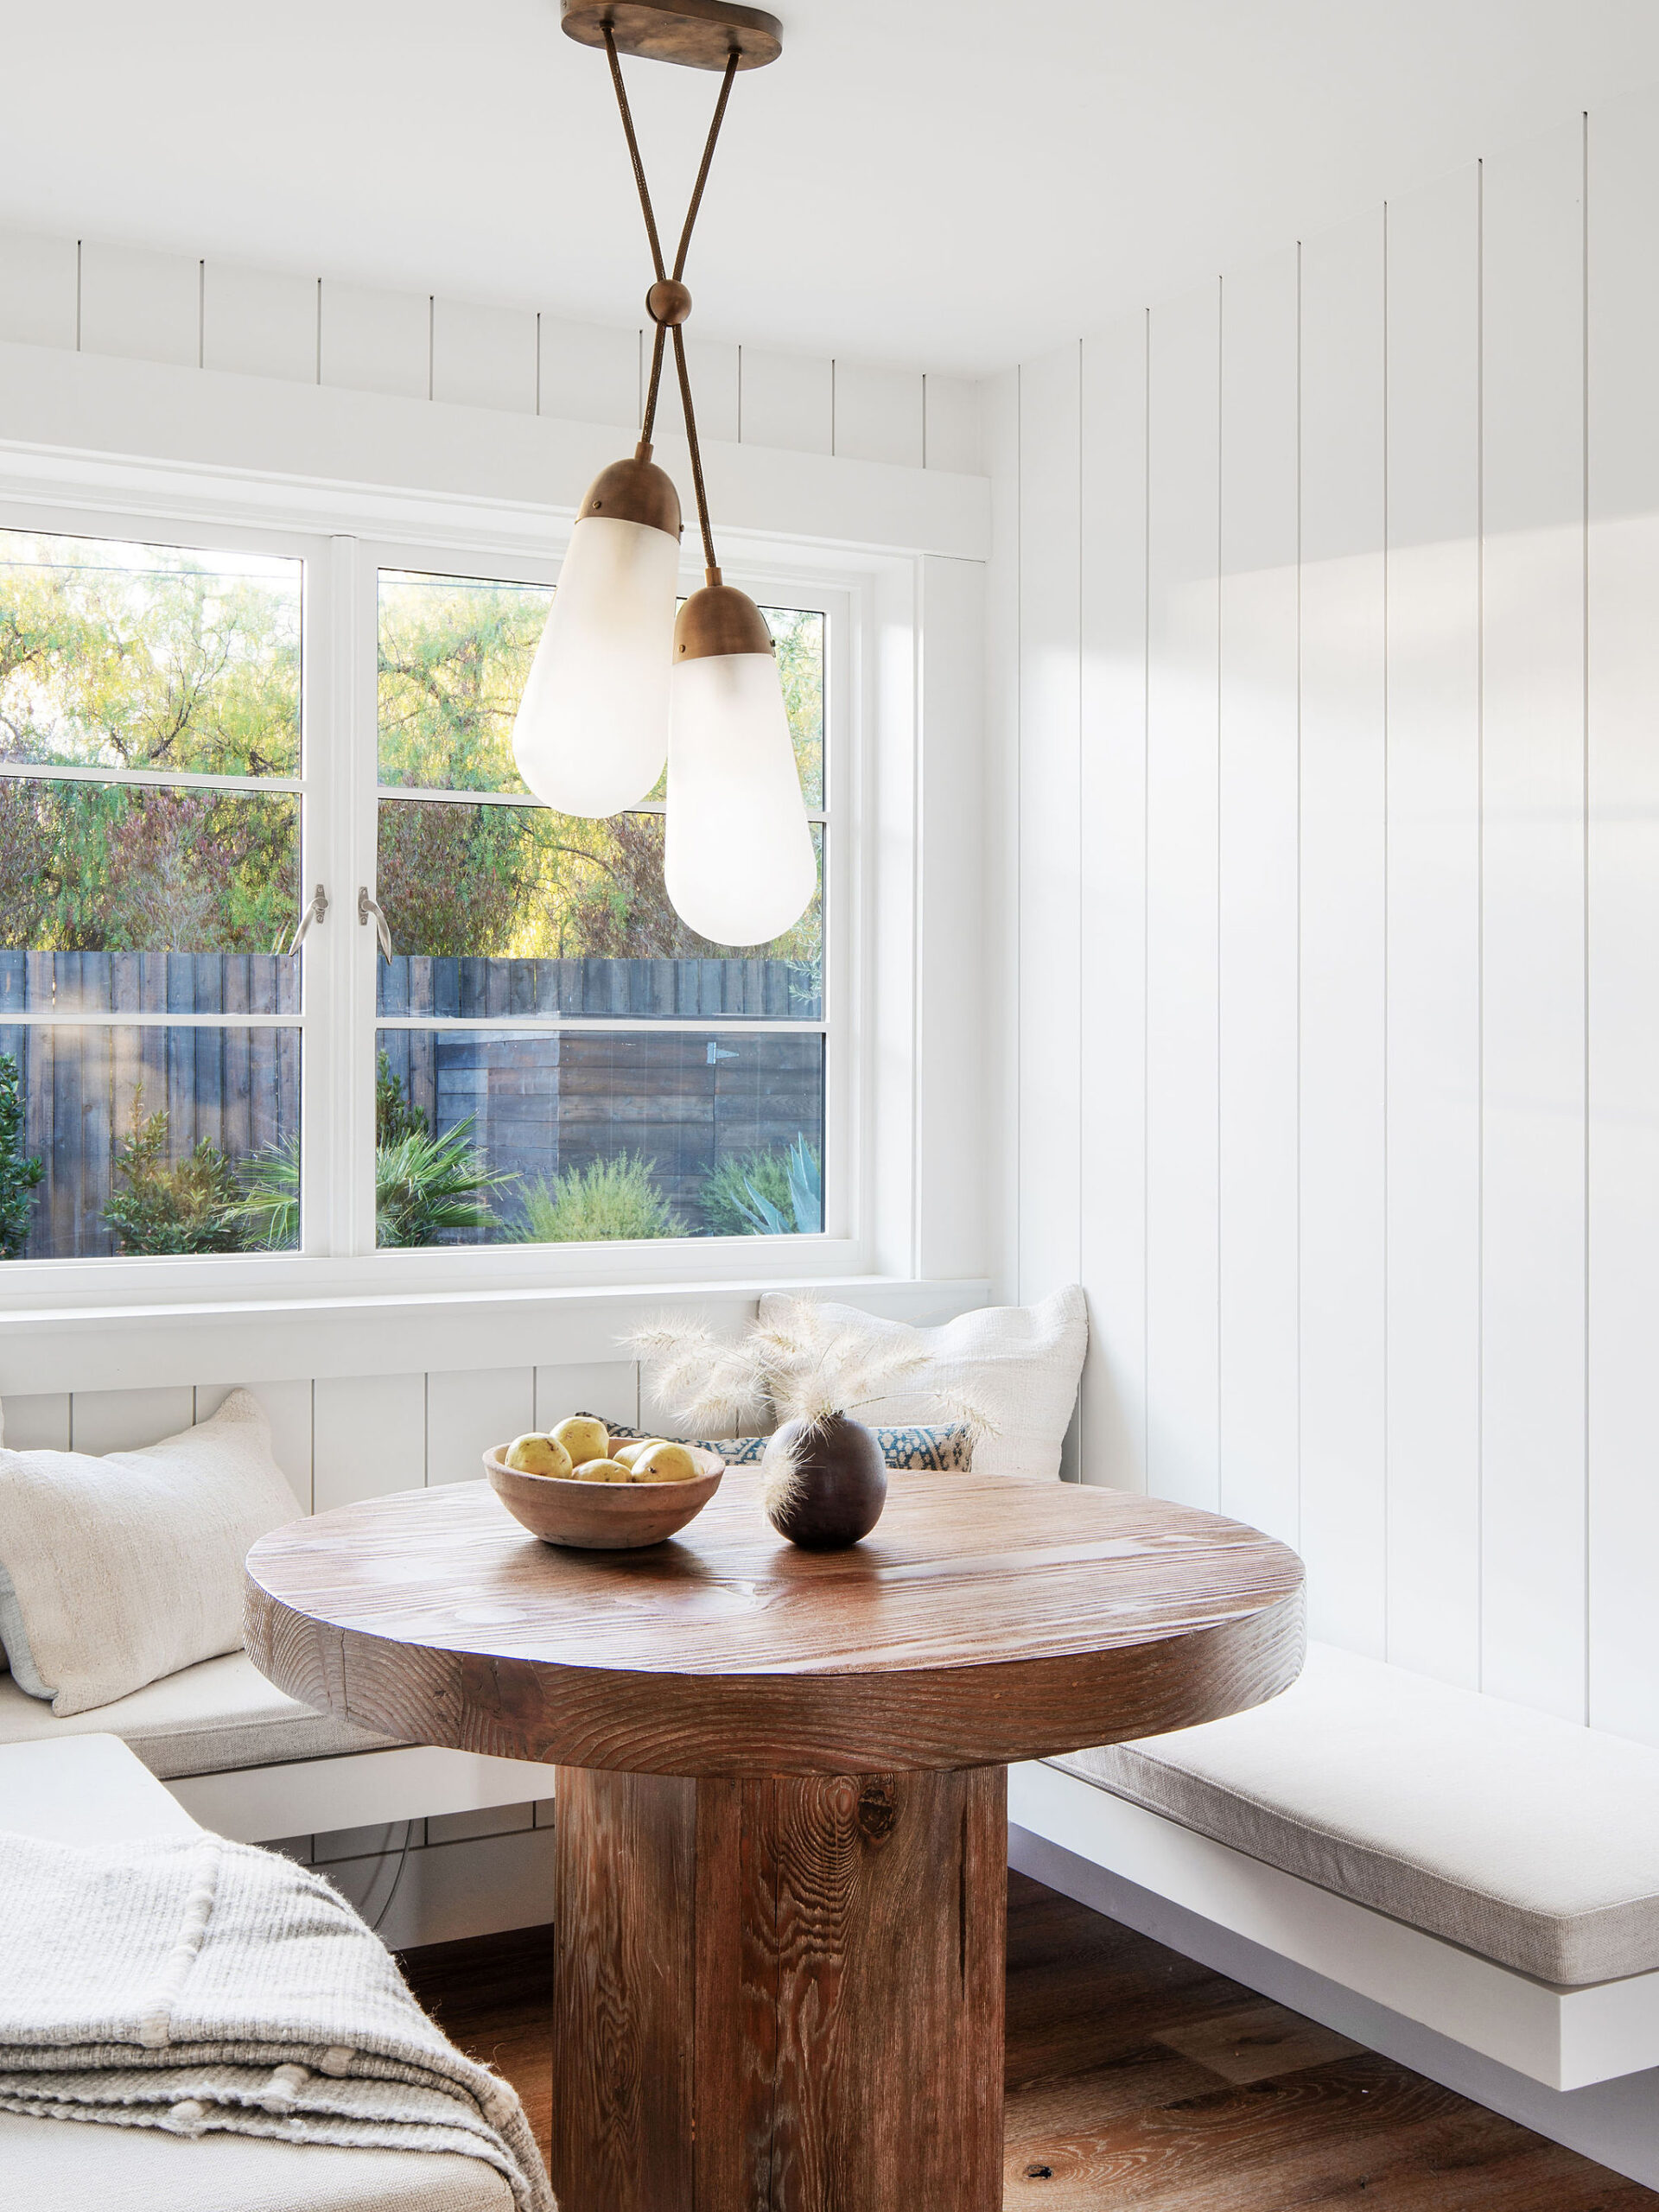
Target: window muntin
[150, 798]
[500, 909]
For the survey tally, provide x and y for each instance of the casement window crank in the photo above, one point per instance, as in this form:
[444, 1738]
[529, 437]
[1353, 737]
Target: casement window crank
[366, 906]
[316, 912]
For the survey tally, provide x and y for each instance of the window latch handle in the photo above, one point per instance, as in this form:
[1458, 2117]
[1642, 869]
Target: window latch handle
[316, 912]
[366, 906]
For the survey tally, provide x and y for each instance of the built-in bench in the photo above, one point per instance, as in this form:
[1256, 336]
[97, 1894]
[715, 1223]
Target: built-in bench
[1465, 1885]
[259, 1767]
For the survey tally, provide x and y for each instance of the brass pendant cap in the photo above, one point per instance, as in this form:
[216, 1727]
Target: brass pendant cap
[634, 491]
[717, 619]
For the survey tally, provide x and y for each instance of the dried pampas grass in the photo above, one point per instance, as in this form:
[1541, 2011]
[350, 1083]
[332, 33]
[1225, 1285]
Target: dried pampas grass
[781, 1478]
[806, 1367]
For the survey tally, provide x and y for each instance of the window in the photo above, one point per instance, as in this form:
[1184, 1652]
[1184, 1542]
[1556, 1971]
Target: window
[548, 1057]
[150, 792]
[559, 1059]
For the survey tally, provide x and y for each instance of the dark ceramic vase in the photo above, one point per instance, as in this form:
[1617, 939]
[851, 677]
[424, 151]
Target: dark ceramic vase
[841, 1483]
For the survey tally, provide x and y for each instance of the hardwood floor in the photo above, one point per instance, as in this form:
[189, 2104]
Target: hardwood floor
[1138, 2079]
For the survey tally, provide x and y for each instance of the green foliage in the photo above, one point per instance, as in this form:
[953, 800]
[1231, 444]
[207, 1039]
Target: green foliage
[137, 656]
[766, 1194]
[268, 1215]
[611, 1198]
[424, 1184]
[394, 1117]
[193, 1204]
[142, 656]
[18, 1176]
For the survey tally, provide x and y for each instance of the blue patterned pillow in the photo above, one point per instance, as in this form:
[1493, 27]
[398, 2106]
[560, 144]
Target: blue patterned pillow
[922, 1451]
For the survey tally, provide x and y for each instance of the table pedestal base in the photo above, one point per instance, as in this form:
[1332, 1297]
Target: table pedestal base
[782, 1995]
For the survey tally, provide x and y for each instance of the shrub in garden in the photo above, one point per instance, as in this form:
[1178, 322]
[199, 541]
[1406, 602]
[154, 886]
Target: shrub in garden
[163, 1205]
[611, 1198]
[19, 1175]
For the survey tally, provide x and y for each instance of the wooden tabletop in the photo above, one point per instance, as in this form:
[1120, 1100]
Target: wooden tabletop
[986, 1619]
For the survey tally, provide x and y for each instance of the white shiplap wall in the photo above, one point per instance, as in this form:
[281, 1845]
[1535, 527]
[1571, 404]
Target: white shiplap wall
[1327, 677]
[85, 296]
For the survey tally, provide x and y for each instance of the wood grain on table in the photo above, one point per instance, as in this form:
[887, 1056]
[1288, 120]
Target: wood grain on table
[985, 1620]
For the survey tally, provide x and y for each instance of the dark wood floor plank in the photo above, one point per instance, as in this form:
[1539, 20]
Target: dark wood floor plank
[1118, 2055]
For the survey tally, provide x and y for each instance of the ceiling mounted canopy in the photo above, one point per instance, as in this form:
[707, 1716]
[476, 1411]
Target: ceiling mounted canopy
[617, 683]
[699, 34]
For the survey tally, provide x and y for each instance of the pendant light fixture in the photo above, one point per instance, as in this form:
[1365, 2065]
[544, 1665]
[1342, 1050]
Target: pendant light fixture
[618, 680]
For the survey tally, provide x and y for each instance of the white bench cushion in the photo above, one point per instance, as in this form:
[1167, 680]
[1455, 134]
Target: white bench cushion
[1519, 1836]
[221, 1713]
[74, 2162]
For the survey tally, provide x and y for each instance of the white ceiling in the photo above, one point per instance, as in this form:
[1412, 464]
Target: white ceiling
[949, 183]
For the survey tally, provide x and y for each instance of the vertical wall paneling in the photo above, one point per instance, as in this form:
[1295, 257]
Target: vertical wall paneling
[467, 1412]
[712, 365]
[36, 1422]
[609, 1388]
[879, 414]
[1001, 426]
[588, 372]
[1182, 980]
[1433, 929]
[484, 356]
[122, 1420]
[951, 424]
[1112, 779]
[1343, 845]
[1623, 913]
[288, 1408]
[1258, 875]
[369, 1437]
[1050, 827]
[38, 284]
[1533, 756]
[788, 400]
[255, 323]
[374, 340]
[144, 305]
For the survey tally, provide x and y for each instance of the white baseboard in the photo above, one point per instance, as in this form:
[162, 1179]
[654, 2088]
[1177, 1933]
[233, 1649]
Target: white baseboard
[1616, 2123]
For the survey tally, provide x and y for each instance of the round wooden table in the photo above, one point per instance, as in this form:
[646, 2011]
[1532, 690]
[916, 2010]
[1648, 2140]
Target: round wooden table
[781, 1827]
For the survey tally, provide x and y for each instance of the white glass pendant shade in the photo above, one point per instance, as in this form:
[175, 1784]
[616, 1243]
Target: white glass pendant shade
[592, 730]
[739, 863]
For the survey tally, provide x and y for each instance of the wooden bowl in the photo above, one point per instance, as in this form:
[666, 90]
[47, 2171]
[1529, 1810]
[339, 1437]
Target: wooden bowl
[602, 1517]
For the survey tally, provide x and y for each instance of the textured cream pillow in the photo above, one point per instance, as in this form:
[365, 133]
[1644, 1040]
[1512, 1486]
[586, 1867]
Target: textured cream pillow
[1019, 1364]
[118, 1570]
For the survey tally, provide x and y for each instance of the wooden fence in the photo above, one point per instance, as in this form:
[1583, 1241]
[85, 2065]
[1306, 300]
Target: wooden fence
[540, 1101]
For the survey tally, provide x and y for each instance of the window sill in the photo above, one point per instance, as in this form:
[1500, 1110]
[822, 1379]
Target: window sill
[292, 1332]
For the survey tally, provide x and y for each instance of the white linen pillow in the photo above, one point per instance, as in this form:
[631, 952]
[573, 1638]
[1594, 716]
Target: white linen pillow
[118, 1570]
[1019, 1364]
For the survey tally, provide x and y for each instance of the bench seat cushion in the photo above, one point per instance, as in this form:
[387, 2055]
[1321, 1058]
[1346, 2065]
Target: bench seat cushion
[1519, 1836]
[71, 2162]
[220, 1713]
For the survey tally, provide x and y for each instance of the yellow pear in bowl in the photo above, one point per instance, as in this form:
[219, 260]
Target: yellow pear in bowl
[583, 1438]
[627, 1453]
[601, 1470]
[538, 1455]
[665, 1463]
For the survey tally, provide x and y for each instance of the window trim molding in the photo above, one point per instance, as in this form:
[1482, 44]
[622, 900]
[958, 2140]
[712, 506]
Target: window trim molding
[878, 1140]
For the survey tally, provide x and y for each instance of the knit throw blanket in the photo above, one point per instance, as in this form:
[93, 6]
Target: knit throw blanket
[202, 1985]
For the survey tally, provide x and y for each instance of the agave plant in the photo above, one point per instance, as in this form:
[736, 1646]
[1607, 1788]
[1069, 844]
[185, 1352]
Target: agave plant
[767, 1194]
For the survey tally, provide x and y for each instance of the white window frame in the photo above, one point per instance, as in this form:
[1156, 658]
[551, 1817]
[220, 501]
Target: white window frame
[344, 541]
